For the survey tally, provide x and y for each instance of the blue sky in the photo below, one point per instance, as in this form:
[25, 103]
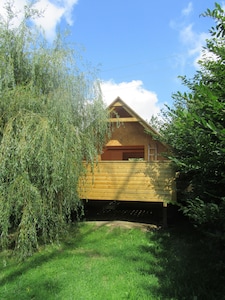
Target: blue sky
[139, 47]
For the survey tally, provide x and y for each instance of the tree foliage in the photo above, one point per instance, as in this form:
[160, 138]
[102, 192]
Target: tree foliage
[51, 119]
[195, 129]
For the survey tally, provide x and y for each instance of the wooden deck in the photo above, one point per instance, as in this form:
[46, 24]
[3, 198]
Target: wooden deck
[129, 181]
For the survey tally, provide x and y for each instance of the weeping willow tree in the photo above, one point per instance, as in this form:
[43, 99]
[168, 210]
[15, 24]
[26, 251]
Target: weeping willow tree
[51, 119]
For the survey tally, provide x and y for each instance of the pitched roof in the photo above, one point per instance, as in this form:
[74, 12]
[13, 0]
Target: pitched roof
[126, 114]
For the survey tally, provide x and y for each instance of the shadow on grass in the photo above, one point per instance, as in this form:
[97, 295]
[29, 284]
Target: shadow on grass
[187, 266]
[180, 258]
[37, 277]
[41, 287]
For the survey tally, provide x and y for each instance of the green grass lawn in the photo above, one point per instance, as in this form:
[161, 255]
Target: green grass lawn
[102, 263]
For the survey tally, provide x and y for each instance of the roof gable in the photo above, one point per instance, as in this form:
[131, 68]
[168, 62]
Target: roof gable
[121, 112]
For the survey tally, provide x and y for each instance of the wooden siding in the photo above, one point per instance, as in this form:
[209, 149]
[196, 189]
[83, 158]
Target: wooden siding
[129, 181]
[133, 134]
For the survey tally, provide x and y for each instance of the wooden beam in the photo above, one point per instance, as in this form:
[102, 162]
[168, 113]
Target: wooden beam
[165, 225]
[117, 104]
[124, 120]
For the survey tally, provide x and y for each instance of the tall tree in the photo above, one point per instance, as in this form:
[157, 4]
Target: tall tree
[195, 129]
[51, 118]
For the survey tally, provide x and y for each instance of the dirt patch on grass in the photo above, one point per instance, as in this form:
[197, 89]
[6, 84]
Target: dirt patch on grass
[125, 225]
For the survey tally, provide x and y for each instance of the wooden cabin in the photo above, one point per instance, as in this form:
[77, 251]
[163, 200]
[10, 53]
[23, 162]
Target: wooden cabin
[132, 166]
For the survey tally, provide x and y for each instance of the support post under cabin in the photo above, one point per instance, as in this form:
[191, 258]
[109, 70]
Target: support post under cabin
[164, 214]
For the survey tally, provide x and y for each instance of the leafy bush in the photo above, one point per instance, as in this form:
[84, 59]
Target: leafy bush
[195, 129]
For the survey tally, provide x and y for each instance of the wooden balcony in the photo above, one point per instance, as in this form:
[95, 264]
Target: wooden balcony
[129, 181]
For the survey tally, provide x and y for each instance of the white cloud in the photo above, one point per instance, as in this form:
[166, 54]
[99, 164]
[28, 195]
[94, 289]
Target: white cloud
[142, 101]
[51, 16]
[194, 42]
[53, 11]
[16, 7]
[187, 10]
[206, 56]
[187, 34]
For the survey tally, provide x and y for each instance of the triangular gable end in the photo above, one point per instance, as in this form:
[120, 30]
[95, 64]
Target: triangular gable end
[121, 112]
[134, 138]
